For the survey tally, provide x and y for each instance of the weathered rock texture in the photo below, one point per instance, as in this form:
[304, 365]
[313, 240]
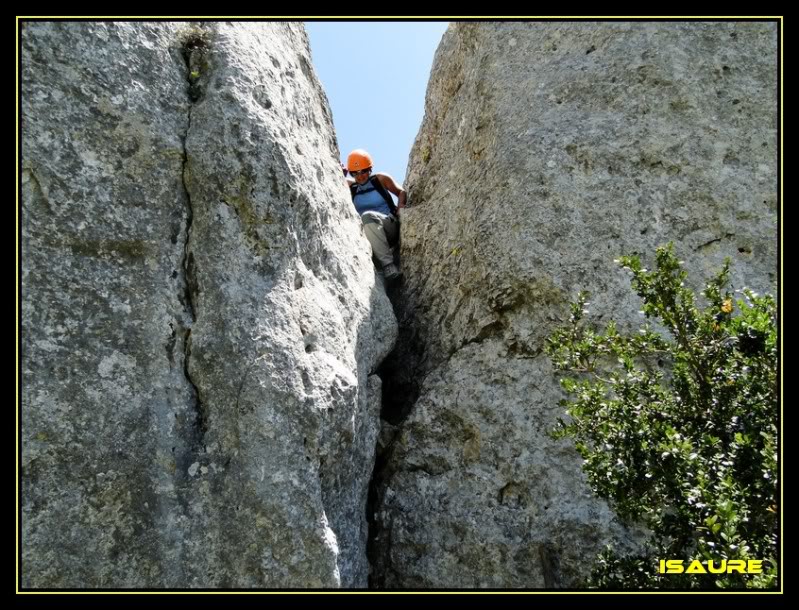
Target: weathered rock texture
[200, 317]
[547, 150]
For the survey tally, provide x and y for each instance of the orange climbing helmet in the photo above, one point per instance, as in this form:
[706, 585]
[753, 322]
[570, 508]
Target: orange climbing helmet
[359, 159]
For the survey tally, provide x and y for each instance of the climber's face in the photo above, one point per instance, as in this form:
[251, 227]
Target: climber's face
[362, 175]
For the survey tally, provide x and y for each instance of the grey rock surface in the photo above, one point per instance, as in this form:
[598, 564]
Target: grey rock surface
[547, 150]
[200, 315]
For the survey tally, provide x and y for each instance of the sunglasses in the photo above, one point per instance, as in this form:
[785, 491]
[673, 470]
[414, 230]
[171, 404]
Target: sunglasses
[359, 172]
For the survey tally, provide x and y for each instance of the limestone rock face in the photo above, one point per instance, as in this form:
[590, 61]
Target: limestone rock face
[200, 315]
[546, 151]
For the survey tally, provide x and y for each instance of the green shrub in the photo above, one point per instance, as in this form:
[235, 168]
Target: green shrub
[679, 429]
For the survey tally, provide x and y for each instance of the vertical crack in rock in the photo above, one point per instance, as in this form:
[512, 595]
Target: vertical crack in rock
[195, 48]
[401, 373]
[376, 544]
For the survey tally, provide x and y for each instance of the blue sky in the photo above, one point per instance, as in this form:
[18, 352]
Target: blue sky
[375, 76]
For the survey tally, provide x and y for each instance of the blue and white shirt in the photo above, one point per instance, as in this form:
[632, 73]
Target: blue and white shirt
[368, 199]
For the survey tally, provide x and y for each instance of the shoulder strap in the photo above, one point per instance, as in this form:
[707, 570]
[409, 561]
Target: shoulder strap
[386, 195]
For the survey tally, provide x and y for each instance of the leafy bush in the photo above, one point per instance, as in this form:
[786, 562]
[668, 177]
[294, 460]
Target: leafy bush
[679, 429]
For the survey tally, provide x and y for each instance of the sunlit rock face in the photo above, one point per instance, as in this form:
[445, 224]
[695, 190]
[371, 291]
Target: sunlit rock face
[200, 316]
[547, 150]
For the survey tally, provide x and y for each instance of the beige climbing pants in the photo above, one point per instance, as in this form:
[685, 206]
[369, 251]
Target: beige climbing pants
[382, 232]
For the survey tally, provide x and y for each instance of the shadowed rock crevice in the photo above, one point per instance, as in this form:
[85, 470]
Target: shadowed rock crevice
[195, 51]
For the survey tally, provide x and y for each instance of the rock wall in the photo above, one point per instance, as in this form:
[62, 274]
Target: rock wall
[547, 150]
[200, 316]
